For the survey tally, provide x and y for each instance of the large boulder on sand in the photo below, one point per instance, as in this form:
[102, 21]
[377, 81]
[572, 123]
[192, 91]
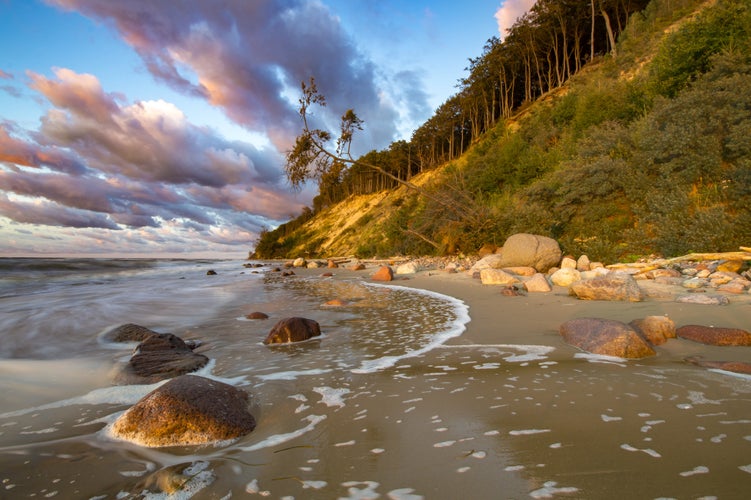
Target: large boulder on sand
[605, 337]
[497, 277]
[715, 336]
[187, 410]
[612, 286]
[532, 250]
[293, 329]
[159, 357]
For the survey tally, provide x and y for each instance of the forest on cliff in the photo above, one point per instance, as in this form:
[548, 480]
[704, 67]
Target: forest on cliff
[620, 128]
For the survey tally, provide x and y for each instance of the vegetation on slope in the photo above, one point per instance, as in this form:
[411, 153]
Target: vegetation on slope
[644, 152]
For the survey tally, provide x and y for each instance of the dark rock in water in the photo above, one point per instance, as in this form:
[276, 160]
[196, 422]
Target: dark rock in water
[210, 272]
[129, 332]
[656, 329]
[606, 337]
[729, 366]
[715, 336]
[288, 273]
[612, 286]
[188, 410]
[257, 315]
[160, 357]
[294, 329]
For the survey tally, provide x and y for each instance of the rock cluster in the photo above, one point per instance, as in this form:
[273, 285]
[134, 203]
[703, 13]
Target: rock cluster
[187, 410]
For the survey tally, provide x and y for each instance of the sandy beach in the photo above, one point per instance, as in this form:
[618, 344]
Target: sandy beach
[499, 408]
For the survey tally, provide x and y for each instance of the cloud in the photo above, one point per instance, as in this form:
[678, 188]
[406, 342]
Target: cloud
[509, 12]
[53, 214]
[248, 57]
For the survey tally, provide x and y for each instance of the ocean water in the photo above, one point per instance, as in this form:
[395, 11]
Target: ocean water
[390, 402]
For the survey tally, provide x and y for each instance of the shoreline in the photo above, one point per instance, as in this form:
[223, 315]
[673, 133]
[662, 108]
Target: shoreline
[496, 318]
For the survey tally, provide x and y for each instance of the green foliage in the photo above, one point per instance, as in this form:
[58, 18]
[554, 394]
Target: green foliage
[688, 52]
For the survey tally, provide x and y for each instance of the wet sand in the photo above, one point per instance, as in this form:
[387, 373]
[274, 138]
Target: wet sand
[506, 410]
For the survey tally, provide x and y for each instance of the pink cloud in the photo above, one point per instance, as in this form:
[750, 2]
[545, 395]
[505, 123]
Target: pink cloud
[509, 12]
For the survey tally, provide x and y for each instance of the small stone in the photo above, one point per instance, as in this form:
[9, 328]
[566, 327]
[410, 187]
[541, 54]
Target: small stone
[538, 283]
[336, 303]
[568, 263]
[694, 283]
[582, 263]
[210, 272]
[257, 315]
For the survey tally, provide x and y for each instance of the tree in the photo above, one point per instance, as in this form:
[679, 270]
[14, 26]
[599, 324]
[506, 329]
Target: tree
[311, 158]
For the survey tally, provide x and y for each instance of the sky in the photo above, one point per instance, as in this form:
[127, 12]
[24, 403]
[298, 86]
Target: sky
[159, 128]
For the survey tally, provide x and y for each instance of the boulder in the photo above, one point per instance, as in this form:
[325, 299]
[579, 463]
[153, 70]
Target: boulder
[188, 410]
[384, 273]
[704, 299]
[521, 270]
[537, 283]
[605, 337]
[357, 266]
[257, 315]
[299, 262]
[332, 264]
[408, 268]
[568, 263]
[656, 329]
[565, 277]
[293, 329]
[492, 261]
[612, 286]
[497, 277]
[532, 250]
[160, 357]
[735, 286]
[129, 332]
[715, 336]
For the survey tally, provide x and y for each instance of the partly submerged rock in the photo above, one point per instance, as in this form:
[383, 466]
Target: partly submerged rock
[257, 315]
[188, 410]
[129, 332]
[656, 329]
[728, 366]
[612, 286]
[605, 337]
[715, 336]
[160, 357]
[293, 329]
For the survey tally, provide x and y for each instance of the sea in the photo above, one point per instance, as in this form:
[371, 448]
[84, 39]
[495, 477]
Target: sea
[390, 402]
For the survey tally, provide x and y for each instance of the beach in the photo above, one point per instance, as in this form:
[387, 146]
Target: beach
[429, 386]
